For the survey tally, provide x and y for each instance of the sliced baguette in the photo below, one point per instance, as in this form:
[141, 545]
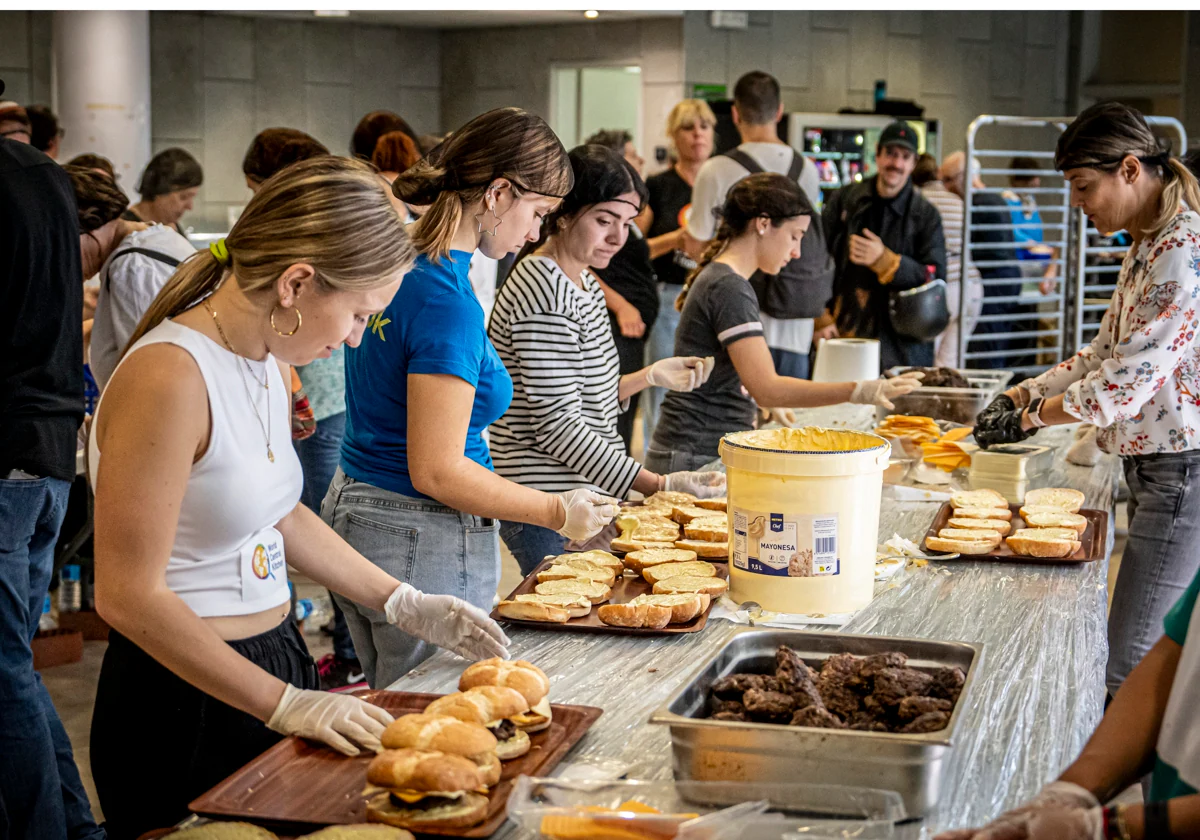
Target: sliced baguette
[707, 529]
[646, 514]
[959, 546]
[986, 498]
[1055, 533]
[532, 611]
[577, 605]
[605, 576]
[628, 545]
[1061, 519]
[719, 503]
[595, 592]
[1060, 497]
[713, 587]
[981, 513]
[668, 499]
[705, 549]
[1030, 543]
[652, 616]
[684, 607]
[696, 568]
[1000, 526]
[638, 561]
[683, 514]
[970, 535]
[599, 559]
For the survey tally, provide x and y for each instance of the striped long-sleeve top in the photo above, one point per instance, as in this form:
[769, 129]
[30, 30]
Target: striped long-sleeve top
[560, 432]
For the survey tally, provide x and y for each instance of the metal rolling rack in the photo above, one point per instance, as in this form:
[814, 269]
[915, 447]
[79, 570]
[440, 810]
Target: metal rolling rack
[1058, 320]
[1044, 317]
[1098, 265]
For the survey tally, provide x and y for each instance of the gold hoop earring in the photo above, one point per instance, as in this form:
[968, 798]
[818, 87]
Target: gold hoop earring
[299, 322]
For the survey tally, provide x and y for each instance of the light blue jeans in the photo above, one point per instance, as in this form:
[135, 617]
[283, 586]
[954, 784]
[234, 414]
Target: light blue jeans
[421, 542]
[660, 344]
[1161, 557]
[531, 544]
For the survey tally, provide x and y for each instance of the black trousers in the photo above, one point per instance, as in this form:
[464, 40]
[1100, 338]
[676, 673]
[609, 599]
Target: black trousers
[631, 352]
[158, 742]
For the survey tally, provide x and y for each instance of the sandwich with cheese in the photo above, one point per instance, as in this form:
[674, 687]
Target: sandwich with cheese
[448, 735]
[492, 707]
[525, 677]
[426, 790]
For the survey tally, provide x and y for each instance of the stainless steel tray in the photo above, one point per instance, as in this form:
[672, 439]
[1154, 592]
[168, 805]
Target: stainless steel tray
[714, 750]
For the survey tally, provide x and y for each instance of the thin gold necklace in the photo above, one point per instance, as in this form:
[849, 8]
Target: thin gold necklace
[265, 384]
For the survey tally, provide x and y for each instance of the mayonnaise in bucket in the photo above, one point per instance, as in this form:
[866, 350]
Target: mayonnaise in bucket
[804, 511]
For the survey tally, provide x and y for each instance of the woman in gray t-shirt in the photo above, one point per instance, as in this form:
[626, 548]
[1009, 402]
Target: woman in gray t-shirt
[762, 222]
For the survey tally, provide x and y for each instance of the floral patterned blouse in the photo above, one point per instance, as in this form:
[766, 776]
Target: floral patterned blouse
[1139, 379]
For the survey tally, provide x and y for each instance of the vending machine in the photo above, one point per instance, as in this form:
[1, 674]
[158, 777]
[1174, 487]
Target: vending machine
[842, 146]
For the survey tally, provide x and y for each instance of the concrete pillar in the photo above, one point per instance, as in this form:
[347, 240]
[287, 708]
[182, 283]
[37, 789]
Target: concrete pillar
[102, 88]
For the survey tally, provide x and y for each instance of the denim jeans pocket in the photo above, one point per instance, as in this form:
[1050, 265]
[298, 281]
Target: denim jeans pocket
[390, 547]
[1165, 476]
[481, 564]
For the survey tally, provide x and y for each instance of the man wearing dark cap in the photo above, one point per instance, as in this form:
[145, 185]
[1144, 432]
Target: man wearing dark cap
[168, 188]
[883, 235]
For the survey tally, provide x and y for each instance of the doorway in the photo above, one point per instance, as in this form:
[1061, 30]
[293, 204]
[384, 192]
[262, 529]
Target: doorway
[587, 99]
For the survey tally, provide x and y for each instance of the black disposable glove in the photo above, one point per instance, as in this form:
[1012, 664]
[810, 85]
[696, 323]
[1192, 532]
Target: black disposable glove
[1000, 423]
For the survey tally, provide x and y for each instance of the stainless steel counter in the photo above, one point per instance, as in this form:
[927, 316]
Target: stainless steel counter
[1038, 695]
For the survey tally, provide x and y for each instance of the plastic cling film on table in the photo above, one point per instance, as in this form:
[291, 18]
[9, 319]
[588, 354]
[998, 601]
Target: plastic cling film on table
[804, 505]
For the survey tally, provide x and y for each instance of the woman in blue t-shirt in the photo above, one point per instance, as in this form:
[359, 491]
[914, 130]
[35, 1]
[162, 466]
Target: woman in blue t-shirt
[415, 491]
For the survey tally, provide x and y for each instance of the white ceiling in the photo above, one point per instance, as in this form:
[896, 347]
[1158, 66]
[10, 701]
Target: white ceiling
[466, 19]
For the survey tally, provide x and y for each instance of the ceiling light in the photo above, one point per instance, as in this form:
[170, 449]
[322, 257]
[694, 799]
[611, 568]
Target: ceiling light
[591, 14]
[332, 12]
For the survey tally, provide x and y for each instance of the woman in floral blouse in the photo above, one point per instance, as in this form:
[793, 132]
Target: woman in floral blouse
[1139, 380]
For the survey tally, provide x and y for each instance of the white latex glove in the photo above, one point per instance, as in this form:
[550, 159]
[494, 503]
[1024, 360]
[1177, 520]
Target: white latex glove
[883, 391]
[585, 513]
[702, 485]
[447, 622]
[339, 720]
[680, 373]
[1060, 811]
[783, 416]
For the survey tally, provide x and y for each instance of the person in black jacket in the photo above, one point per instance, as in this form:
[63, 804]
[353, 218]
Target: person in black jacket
[991, 209]
[41, 409]
[883, 235]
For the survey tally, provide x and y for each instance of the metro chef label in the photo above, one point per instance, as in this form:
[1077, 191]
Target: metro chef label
[785, 545]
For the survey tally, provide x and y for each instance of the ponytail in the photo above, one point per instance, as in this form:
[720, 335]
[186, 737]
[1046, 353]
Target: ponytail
[196, 278]
[716, 245]
[1179, 187]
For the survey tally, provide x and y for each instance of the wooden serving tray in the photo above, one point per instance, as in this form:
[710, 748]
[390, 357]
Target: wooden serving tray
[625, 589]
[1093, 540]
[302, 785]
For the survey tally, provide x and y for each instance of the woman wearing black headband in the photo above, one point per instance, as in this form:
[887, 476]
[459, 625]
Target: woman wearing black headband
[551, 328]
[1139, 379]
[415, 491]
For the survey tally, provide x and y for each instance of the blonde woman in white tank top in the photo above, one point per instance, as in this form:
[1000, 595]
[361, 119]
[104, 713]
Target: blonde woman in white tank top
[198, 507]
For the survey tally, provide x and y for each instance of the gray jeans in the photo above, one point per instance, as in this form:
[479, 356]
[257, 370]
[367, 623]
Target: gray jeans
[663, 461]
[420, 542]
[1161, 557]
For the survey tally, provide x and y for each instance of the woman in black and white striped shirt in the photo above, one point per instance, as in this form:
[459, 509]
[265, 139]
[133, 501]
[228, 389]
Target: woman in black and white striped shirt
[551, 330]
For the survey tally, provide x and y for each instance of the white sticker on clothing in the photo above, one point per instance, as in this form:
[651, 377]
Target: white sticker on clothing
[263, 566]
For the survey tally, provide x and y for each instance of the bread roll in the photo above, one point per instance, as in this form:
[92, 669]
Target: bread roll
[713, 587]
[707, 529]
[653, 616]
[696, 568]
[638, 561]
[598, 559]
[1064, 498]
[683, 514]
[441, 733]
[684, 607]
[423, 770]
[594, 591]
[1030, 543]
[1057, 520]
[525, 677]
[532, 611]
[705, 549]
[605, 576]
[970, 535]
[719, 503]
[1000, 526]
[986, 498]
[576, 606]
[959, 546]
[668, 499]
[981, 513]
[483, 705]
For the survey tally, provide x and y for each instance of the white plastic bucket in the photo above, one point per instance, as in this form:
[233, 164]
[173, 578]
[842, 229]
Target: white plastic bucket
[803, 516]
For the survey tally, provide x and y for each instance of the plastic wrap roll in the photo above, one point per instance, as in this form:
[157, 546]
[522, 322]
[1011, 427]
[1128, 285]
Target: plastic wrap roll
[847, 360]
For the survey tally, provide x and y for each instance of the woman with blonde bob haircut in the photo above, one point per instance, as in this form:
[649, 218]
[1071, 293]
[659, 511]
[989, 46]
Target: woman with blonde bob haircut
[415, 491]
[198, 506]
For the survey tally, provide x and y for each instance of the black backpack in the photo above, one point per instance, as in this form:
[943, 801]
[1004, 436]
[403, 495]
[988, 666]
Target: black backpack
[805, 285]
